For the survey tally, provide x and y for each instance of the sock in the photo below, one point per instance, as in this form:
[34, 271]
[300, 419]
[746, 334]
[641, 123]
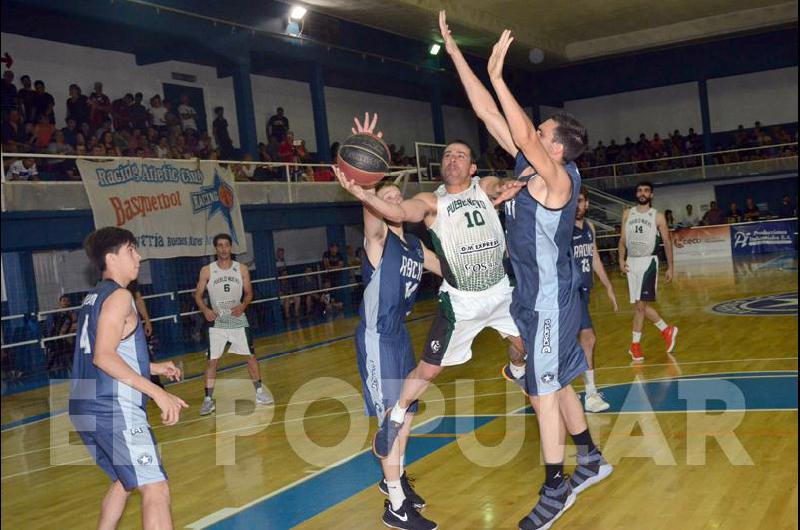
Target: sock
[257, 384]
[583, 442]
[396, 495]
[588, 378]
[210, 392]
[517, 371]
[661, 325]
[398, 414]
[637, 337]
[554, 474]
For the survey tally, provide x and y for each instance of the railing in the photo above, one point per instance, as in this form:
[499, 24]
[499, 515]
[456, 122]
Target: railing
[700, 166]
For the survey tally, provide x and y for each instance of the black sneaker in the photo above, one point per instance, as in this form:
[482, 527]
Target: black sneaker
[416, 501]
[591, 469]
[406, 518]
[553, 502]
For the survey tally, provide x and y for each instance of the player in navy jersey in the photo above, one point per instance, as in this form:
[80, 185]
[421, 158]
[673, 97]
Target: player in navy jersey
[540, 216]
[392, 271]
[587, 261]
[110, 385]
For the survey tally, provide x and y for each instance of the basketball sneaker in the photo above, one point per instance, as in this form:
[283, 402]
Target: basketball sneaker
[595, 403]
[591, 469]
[509, 376]
[416, 501]
[208, 406]
[635, 351]
[670, 335]
[264, 397]
[385, 437]
[406, 518]
[553, 502]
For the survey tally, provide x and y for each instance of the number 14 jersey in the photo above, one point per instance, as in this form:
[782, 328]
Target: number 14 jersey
[468, 238]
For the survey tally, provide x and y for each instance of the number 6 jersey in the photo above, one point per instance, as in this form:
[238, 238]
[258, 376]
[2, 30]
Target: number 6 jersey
[225, 292]
[468, 238]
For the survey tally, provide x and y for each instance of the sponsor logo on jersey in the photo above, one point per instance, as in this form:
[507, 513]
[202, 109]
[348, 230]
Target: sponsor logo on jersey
[435, 346]
[769, 305]
[480, 246]
[546, 347]
[548, 377]
[480, 267]
[457, 204]
[144, 459]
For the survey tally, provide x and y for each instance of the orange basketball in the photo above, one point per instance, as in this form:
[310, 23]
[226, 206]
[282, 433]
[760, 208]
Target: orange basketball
[226, 196]
[364, 158]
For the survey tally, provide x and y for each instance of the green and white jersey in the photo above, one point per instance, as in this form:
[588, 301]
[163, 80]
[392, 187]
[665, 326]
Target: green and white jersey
[468, 238]
[225, 291]
[641, 233]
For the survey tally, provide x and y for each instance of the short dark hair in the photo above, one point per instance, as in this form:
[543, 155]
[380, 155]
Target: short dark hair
[217, 110]
[26, 76]
[222, 236]
[571, 134]
[584, 191]
[38, 82]
[106, 240]
[279, 108]
[645, 183]
[465, 143]
[385, 184]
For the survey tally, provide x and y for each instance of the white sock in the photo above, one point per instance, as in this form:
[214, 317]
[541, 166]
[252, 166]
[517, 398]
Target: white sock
[588, 378]
[637, 337]
[398, 414]
[661, 325]
[517, 371]
[396, 495]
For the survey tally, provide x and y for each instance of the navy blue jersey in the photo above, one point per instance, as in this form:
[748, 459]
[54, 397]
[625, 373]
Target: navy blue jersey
[539, 243]
[93, 391]
[583, 251]
[392, 286]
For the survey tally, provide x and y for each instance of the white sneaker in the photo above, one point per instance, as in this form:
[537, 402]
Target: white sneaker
[208, 406]
[264, 397]
[595, 403]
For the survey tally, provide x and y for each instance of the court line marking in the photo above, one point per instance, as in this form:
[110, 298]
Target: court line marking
[700, 377]
[228, 512]
[722, 375]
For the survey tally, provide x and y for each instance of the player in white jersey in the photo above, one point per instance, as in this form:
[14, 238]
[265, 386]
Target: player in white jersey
[230, 292]
[638, 246]
[475, 294]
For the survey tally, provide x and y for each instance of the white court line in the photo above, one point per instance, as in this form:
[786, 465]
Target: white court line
[454, 398]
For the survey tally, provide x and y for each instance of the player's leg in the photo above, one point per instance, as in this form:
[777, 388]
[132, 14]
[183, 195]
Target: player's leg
[635, 351]
[242, 343]
[217, 340]
[669, 333]
[156, 504]
[113, 506]
[593, 401]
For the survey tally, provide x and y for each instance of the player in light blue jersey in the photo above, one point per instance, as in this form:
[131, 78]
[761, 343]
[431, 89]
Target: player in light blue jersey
[540, 216]
[110, 385]
[392, 270]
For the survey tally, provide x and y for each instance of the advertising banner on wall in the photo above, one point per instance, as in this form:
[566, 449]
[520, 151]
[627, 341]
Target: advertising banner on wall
[707, 242]
[764, 237]
[173, 208]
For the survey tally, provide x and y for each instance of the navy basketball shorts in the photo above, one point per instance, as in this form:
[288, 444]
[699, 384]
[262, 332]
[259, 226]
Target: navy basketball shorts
[123, 445]
[554, 357]
[383, 363]
[586, 318]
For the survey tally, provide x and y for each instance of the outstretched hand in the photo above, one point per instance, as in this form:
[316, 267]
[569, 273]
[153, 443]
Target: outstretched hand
[508, 191]
[350, 185]
[368, 127]
[449, 42]
[498, 57]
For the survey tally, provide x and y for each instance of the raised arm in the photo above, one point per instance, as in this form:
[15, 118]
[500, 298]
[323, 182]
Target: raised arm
[202, 281]
[432, 262]
[666, 238]
[479, 97]
[600, 271]
[523, 133]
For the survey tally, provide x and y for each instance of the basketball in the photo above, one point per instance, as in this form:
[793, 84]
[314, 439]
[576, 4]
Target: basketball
[364, 158]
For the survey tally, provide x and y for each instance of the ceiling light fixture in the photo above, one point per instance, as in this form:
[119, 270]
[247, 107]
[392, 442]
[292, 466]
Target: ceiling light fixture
[297, 13]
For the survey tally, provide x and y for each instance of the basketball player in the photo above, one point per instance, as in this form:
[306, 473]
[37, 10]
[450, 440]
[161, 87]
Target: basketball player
[584, 250]
[475, 293]
[110, 385]
[226, 281]
[638, 245]
[546, 306]
[392, 271]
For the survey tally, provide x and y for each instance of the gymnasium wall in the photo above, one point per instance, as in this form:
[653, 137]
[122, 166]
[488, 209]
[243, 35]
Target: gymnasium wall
[59, 65]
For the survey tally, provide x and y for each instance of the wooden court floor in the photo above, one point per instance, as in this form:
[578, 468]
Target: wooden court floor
[303, 462]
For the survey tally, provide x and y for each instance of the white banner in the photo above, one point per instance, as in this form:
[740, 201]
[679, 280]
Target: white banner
[704, 243]
[174, 208]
